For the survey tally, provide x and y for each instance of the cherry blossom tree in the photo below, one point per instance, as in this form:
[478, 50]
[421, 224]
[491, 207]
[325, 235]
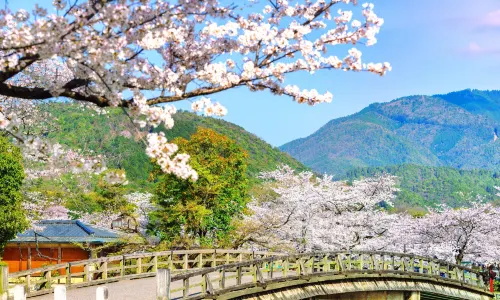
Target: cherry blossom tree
[317, 213]
[464, 234]
[115, 52]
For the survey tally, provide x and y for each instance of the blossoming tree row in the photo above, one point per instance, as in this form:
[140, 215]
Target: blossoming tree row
[312, 213]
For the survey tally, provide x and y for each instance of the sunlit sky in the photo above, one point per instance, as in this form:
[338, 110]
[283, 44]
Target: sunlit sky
[434, 46]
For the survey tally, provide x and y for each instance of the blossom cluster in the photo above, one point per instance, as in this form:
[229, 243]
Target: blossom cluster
[208, 108]
[163, 152]
[100, 52]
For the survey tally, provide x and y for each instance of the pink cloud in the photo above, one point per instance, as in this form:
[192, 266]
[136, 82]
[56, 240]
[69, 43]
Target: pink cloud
[492, 19]
[474, 48]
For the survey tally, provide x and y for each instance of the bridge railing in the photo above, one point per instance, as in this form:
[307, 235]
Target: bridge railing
[108, 269]
[240, 276]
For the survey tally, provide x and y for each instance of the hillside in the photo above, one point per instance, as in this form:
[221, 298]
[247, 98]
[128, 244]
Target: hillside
[457, 130]
[422, 186]
[104, 134]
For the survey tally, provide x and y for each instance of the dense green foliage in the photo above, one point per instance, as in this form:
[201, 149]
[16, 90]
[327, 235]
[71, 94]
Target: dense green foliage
[83, 193]
[428, 186]
[456, 130]
[103, 134]
[477, 102]
[202, 211]
[12, 217]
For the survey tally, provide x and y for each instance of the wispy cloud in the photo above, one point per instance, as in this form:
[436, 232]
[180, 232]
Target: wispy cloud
[491, 20]
[475, 49]
[486, 34]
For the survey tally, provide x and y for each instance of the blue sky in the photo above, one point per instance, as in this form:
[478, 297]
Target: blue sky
[434, 46]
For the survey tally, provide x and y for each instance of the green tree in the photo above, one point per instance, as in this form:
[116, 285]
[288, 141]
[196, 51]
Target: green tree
[105, 196]
[12, 216]
[203, 211]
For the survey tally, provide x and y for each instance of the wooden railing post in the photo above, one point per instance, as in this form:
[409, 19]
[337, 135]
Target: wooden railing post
[139, 265]
[222, 278]
[286, 266]
[122, 266]
[28, 283]
[200, 260]
[258, 274]
[163, 284]
[214, 258]
[185, 290]
[238, 275]
[48, 277]
[155, 264]
[4, 281]
[170, 261]
[68, 274]
[208, 285]
[186, 262]
[104, 274]
[86, 271]
[301, 268]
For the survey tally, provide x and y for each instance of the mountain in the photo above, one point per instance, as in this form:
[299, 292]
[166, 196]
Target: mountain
[456, 130]
[105, 134]
[422, 186]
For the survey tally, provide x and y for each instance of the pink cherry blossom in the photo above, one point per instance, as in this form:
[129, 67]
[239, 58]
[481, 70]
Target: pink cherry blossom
[100, 52]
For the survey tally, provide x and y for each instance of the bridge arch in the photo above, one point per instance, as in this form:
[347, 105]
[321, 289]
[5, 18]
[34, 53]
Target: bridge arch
[356, 287]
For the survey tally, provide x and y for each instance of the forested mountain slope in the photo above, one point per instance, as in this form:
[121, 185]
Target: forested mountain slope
[457, 130]
[422, 186]
[107, 134]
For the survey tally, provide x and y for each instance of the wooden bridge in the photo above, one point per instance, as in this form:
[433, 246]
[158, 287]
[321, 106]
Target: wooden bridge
[232, 274]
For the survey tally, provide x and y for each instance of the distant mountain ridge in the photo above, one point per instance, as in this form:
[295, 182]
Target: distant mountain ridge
[458, 129]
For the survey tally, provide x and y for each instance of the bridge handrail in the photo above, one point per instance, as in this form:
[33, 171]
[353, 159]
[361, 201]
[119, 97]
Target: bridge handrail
[40, 280]
[297, 265]
[308, 254]
[187, 264]
[409, 255]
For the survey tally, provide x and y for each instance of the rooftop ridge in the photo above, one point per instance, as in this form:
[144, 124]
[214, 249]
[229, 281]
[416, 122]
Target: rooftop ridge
[88, 230]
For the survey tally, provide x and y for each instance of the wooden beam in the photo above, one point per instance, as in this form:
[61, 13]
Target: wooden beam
[29, 258]
[59, 254]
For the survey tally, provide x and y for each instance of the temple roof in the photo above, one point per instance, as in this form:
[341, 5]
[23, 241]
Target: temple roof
[66, 231]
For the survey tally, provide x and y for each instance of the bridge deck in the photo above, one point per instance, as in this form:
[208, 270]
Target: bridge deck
[135, 289]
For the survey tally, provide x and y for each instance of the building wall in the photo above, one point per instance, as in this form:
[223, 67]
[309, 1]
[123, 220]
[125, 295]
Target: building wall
[23, 257]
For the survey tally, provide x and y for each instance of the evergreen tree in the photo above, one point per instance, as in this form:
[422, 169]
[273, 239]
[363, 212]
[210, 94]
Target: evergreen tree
[12, 216]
